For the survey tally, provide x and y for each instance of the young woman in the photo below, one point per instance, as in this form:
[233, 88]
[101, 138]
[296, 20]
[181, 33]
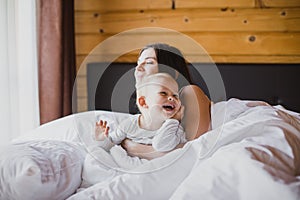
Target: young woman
[160, 57]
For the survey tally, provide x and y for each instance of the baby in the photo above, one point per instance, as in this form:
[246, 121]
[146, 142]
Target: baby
[157, 125]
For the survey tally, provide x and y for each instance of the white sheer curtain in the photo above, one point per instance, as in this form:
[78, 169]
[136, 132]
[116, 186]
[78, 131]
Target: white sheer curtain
[19, 108]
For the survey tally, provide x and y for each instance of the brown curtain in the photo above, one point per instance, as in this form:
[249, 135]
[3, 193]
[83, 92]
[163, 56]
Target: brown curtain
[56, 48]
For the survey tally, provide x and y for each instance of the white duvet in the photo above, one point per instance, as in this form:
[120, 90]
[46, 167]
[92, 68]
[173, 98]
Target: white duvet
[250, 153]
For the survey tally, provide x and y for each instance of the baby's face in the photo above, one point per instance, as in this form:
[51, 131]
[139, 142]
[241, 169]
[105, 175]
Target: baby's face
[162, 97]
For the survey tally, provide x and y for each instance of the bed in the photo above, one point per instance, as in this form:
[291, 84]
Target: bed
[250, 153]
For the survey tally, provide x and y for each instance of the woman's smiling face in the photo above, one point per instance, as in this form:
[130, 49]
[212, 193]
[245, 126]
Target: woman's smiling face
[146, 65]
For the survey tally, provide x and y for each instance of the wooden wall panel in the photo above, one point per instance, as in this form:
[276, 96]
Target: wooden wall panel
[236, 3]
[82, 104]
[278, 3]
[214, 4]
[81, 86]
[81, 60]
[231, 31]
[196, 20]
[120, 5]
[221, 43]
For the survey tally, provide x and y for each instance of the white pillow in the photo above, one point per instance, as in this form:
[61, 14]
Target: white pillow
[40, 169]
[77, 127]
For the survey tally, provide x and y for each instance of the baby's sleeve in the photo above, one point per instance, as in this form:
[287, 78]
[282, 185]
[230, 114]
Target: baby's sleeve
[123, 160]
[117, 136]
[168, 136]
[120, 132]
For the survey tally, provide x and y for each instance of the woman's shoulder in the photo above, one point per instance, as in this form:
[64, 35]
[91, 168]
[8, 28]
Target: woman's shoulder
[194, 91]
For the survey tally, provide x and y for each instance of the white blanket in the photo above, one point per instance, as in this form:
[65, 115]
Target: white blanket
[251, 153]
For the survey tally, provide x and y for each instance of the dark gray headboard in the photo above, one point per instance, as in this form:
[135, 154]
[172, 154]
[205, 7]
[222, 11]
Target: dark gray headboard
[273, 83]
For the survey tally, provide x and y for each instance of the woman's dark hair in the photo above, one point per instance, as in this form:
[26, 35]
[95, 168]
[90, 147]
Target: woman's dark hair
[171, 57]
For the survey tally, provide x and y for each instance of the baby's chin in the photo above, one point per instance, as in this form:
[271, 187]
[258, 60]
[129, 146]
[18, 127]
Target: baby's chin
[170, 114]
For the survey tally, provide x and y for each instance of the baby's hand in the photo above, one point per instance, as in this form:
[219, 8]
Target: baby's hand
[179, 114]
[101, 130]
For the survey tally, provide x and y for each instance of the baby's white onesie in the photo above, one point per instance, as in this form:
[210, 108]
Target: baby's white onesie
[166, 138]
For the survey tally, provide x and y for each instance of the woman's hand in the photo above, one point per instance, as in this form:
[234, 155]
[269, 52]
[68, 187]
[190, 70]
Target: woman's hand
[140, 150]
[179, 115]
[129, 146]
[257, 103]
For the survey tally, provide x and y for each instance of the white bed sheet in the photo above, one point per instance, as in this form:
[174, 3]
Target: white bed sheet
[251, 153]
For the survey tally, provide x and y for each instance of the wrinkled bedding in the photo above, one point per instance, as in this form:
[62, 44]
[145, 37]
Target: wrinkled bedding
[250, 153]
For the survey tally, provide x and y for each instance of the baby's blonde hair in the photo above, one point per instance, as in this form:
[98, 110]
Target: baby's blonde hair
[150, 80]
[153, 79]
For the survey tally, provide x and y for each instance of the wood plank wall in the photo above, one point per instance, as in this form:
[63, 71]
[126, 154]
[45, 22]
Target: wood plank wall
[230, 31]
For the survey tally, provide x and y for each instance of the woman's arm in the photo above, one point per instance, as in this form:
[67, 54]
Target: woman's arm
[142, 150]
